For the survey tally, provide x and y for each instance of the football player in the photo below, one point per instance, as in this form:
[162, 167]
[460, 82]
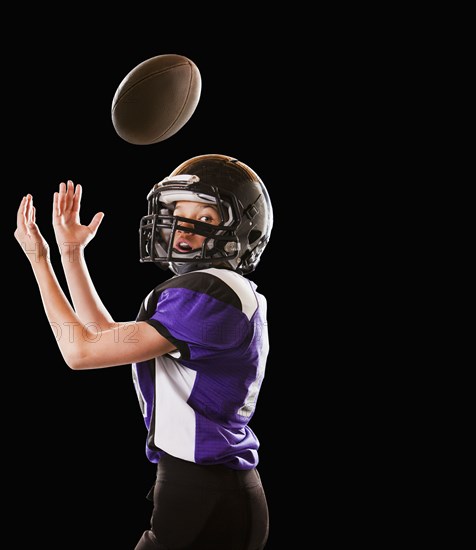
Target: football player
[198, 347]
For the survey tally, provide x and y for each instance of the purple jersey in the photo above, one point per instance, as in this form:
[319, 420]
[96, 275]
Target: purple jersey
[197, 401]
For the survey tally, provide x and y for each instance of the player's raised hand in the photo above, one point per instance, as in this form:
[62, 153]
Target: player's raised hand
[70, 234]
[28, 234]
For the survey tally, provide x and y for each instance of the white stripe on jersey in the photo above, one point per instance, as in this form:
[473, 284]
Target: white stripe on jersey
[240, 285]
[174, 418]
[252, 396]
[140, 395]
[146, 301]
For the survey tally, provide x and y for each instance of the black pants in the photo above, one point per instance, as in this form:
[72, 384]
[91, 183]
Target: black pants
[205, 508]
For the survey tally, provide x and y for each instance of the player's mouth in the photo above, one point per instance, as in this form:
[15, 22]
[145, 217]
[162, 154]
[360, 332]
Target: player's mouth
[183, 247]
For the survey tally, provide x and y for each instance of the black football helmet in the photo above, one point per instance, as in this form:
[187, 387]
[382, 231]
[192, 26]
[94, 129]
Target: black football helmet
[241, 200]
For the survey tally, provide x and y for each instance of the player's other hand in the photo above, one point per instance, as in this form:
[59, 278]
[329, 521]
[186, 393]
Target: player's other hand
[70, 235]
[28, 234]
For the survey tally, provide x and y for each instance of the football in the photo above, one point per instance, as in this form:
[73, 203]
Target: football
[156, 99]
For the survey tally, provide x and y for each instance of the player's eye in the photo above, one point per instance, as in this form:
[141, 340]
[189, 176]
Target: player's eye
[206, 219]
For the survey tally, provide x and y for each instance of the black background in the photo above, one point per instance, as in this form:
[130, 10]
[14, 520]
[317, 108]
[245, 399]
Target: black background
[75, 440]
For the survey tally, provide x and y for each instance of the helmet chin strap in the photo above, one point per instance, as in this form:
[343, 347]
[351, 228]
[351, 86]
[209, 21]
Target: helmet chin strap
[179, 268]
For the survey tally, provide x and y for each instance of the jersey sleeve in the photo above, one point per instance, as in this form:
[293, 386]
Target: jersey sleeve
[201, 316]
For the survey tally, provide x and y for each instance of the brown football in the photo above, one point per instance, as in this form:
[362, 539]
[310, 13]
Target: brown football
[156, 99]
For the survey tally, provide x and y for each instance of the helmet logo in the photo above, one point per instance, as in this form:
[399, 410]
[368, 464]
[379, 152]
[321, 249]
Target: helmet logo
[252, 210]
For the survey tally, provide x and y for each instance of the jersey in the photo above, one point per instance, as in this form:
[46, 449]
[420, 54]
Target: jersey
[197, 401]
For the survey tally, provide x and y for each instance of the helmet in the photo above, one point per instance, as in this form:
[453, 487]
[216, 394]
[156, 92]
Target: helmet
[240, 198]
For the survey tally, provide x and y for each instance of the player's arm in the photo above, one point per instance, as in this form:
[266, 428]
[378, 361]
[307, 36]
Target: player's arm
[72, 238]
[85, 348]
[82, 347]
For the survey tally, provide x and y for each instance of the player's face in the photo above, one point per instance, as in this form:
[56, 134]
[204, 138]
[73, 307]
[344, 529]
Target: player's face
[184, 241]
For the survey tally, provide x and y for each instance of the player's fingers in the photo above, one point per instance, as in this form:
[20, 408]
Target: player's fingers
[28, 209]
[77, 198]
[29, 213]
[31, 217]
[61, 198]
[55, 206]
[68, 201]
[21, 213]
[96, 222]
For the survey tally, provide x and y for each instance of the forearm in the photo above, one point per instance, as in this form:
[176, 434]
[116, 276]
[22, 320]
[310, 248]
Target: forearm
[87, 303]
[67, 327]
[86, 347]
[83, 346]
